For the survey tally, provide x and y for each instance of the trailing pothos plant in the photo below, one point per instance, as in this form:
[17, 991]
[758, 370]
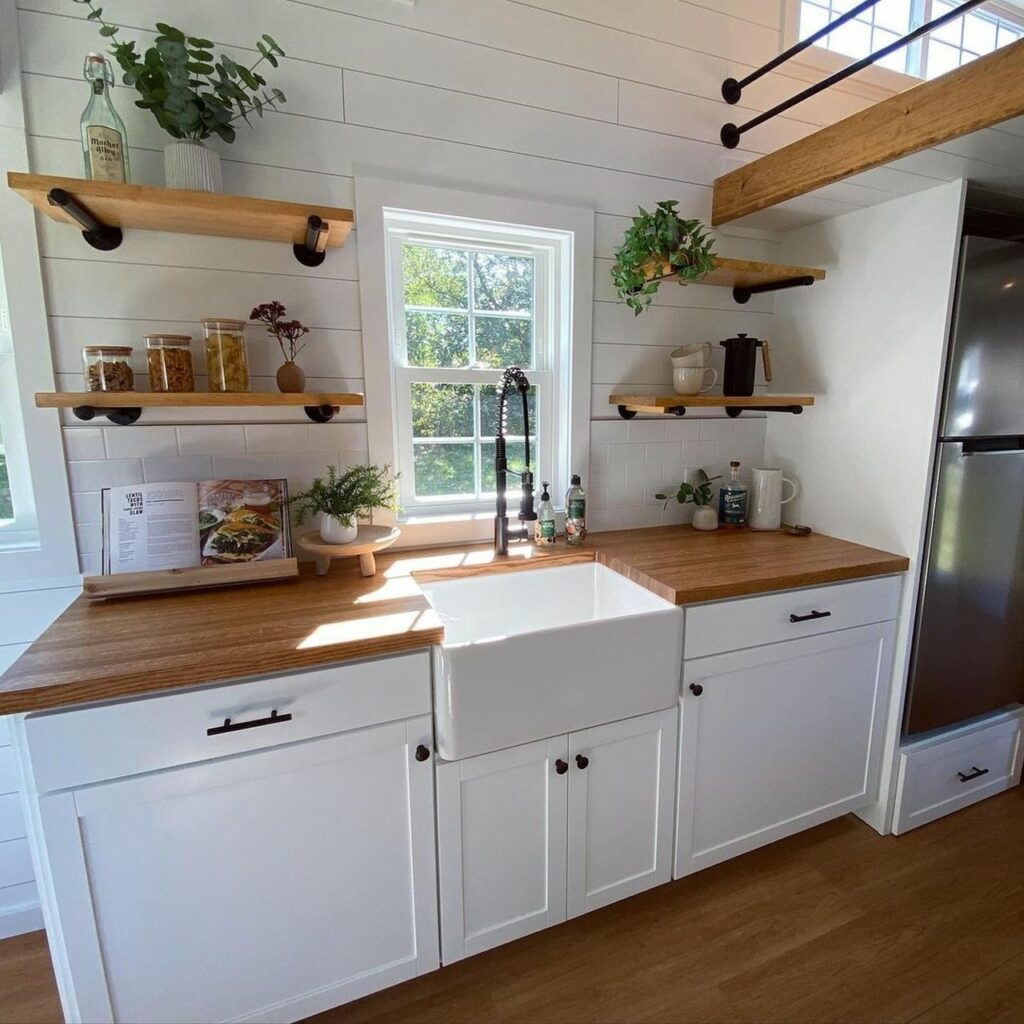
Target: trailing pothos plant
[191, 93]
[658, 246]
[348, 496]
[699, 492]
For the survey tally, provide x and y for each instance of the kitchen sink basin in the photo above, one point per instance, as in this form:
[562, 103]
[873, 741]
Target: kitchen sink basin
[536, 653]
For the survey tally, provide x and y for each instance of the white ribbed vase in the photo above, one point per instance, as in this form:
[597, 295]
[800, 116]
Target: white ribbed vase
[189, 164]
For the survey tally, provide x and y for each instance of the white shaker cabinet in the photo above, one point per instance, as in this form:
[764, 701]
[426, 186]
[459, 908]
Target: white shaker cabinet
[536, 833]
[778, 738]
[268, 885]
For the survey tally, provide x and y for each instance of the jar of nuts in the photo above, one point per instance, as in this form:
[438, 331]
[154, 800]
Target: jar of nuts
[169, 357]
[226, 359]
[108, 368]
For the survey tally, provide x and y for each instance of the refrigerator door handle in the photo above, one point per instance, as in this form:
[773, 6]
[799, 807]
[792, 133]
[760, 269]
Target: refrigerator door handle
[993, 446]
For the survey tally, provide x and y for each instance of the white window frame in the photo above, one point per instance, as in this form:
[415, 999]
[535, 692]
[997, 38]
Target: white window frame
[41, 544]
[874, 81]
[561, 239]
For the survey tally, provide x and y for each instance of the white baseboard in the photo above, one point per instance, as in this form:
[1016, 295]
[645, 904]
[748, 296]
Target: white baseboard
[28, 917]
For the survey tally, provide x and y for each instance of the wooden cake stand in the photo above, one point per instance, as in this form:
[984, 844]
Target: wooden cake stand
[369, 540]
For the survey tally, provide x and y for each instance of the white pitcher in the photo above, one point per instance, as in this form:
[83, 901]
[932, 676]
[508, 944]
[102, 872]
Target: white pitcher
[765, 509]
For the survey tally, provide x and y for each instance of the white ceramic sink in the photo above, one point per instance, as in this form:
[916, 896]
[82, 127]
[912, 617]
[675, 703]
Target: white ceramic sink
[547, 651]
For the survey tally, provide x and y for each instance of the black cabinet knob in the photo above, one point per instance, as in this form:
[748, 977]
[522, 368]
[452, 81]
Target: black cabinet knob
[582, 761]
[561, 766]
[696, 689]
[422, 753]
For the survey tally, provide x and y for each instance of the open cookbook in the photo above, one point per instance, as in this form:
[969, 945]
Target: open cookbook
[189, 525]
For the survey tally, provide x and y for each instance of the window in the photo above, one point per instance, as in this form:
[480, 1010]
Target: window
[958, 42]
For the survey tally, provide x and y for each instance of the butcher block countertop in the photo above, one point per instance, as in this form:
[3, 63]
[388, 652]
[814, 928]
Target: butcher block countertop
[126, 647]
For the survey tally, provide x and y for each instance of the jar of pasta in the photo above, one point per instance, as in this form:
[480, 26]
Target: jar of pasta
[169, 358]
[226, 360]
[108, 368]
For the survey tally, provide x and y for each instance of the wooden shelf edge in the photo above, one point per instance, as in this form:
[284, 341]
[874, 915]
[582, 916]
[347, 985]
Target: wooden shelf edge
[659, 405]
[191, 399]
[978, 95]
[152, 208]
[736, 273]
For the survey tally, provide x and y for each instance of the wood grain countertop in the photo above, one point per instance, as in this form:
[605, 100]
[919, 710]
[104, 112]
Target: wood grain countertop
[122, 648]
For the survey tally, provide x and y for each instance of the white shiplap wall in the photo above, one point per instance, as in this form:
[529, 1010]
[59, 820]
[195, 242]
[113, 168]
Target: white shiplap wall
[604, 103]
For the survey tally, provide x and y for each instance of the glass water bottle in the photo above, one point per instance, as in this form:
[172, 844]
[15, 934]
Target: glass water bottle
[104, 142]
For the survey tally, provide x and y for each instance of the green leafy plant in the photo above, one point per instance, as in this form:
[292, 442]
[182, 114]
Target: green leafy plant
[350, 495]
[699, 492]
[658, 246]
[192, 94]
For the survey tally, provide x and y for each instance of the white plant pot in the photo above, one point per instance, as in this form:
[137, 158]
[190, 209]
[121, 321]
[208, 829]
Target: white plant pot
[705, 517]
[337, 531]
[189, 164]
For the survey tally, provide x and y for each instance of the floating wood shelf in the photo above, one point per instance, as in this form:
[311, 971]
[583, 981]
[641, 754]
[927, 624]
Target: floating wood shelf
[978, 95]
[124, 407]
[748, 277]
[676, 405]
[104, 208]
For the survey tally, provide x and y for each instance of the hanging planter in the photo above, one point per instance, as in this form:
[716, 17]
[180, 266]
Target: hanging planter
[659, 246]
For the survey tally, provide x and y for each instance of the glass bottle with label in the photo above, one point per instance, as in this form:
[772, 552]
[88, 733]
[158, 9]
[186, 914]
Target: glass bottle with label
[104, 141]
[575, 513]
[544, 529]
[732, 499]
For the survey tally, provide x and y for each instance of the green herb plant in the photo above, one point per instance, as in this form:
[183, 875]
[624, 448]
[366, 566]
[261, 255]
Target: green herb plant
[658, 246]
[192, 94]
[350, 495]
[699, 492]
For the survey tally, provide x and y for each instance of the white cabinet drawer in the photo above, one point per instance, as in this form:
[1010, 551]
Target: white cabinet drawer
[769, 618]
[943, 773]
[77, 747]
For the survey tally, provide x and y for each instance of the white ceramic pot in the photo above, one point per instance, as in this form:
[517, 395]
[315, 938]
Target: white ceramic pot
[337, 531]
[705, 517]
[690, 380]
[189, 164]
[692, 355]
[765, 509]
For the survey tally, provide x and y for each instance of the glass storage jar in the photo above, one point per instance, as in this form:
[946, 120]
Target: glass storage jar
[226, 360]
[169, 359]
[108, 368]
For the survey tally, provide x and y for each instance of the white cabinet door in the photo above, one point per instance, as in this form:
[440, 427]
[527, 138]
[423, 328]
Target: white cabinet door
[778, 738]
[621, 809]
[267, 886]
[501, 844]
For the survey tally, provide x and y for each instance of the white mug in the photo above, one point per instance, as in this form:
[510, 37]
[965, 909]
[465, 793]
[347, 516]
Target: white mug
[766, 500]
[689, 380]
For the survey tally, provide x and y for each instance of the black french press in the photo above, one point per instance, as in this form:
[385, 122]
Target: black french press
[740, 362]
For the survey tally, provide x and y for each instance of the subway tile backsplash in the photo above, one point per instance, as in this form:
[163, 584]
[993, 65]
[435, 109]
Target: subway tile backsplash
[631, 461]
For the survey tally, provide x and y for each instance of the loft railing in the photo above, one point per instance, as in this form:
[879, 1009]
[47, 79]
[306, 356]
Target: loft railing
[732, 89]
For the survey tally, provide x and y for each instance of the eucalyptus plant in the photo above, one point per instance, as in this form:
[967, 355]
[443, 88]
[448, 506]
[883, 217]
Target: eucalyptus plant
[350, 495]
[699, 492]
[191, 93]
[658, 246]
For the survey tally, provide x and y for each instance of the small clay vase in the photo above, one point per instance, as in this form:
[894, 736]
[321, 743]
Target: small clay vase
[290, 378]
[705, 517]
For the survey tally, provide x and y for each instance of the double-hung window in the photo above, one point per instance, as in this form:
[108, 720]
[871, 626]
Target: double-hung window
[958, 42]
[467, 300]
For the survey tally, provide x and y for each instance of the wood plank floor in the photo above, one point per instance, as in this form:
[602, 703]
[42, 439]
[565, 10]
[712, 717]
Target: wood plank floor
[835, 925]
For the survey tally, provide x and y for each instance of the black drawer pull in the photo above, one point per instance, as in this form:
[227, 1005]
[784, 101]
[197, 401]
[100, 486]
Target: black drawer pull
[272, 719]
[582, 761]
[561, 766]
[422, 753]
[807, 618]
[974, 773]
[696, 689]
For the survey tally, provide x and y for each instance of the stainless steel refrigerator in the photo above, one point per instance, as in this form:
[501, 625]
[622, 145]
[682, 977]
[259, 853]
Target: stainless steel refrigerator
[968, 652]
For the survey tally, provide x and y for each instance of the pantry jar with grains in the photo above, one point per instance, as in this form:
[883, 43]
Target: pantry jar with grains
[108, 368]
[226, 360]
[169, 358]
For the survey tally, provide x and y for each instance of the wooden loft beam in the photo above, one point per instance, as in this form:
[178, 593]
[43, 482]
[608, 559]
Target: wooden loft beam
[985, 92]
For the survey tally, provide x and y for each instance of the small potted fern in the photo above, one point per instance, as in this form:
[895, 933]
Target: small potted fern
[344, 498]
[656, 247]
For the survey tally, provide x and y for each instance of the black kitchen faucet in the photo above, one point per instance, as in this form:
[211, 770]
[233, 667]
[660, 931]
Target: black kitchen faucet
[513, 377]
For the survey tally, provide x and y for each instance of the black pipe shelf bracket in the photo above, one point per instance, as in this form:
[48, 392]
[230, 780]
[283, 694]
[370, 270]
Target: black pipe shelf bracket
[743, 293]
[320, 413]
[312, 252]
[99, 236]
[732, 89]
[120, 417]
[732, 411]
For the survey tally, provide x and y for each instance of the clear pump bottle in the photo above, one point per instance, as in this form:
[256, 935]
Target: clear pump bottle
[104, 141]
[544, 529]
